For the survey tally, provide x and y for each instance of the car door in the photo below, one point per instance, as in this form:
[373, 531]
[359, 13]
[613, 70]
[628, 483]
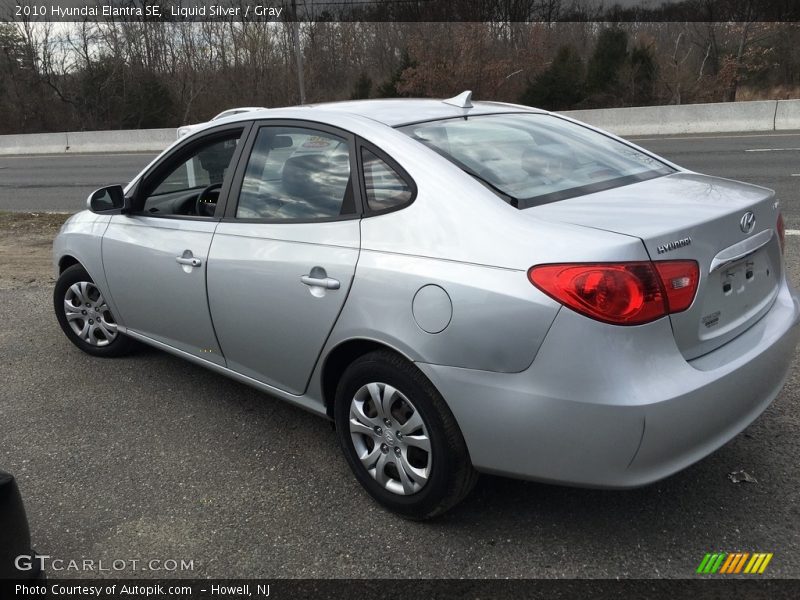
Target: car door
[155, 257]
[283, 258]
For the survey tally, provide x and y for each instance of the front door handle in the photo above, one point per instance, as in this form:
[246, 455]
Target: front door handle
[325, 282]
[188, 260]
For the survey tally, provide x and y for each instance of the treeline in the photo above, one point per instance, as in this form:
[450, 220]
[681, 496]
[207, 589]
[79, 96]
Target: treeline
[86, 76]
[548, 10]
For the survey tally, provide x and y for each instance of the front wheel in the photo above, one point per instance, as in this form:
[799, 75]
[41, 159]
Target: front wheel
[400, 438]
[85, 317]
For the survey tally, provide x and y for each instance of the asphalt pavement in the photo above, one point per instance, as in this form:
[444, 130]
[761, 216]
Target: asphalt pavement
[151, 458]
[62, 182]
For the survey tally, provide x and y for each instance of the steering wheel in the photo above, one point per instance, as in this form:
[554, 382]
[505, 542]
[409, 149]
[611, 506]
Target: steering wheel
[204, 206]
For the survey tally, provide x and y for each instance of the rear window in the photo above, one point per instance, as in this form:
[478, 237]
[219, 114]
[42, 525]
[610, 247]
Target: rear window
[533, 159]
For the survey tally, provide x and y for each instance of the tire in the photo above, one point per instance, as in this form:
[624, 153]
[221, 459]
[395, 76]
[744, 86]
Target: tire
[397, 470]
[85, 317]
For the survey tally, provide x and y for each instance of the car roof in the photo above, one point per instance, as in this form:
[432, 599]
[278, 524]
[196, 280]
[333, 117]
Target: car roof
[396, 111]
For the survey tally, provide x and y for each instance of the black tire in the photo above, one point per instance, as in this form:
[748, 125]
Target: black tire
[451, 475]
[118, 346]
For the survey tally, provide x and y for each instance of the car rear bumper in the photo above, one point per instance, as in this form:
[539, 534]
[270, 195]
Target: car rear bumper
[618, 407]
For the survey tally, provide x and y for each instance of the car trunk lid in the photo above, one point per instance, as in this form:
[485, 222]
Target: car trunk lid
[698, 217]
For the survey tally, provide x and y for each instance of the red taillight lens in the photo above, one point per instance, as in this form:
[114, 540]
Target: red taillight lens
[781, 231]
[630, 293]
[679, 278]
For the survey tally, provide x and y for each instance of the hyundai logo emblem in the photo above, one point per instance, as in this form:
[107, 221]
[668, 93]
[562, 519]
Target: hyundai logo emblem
[748, 222]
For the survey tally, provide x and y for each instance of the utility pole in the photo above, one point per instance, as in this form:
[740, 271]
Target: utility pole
[298, 54]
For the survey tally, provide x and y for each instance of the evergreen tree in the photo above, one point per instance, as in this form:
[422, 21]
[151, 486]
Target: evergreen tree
[362, 88]
[610, 54]
[644, 71]
[388, 89]
[560, 86]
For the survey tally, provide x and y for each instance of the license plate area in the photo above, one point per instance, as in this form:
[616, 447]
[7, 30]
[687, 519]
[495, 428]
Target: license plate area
[736, 293]
[737, 278]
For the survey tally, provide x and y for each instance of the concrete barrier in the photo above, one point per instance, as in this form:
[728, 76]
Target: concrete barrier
[33, 143]
[134, 140]
[768, 115]
[683, 119]
[77, 142]
[787, 115]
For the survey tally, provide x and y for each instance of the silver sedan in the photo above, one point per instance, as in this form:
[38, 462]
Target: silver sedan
[461, 287]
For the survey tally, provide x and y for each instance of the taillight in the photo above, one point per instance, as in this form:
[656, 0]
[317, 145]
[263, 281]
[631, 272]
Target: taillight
[629, 293]
[680, 279]
[781, 231]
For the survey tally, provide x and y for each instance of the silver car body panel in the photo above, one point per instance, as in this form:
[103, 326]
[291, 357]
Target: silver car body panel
[80, 239]
[634, 411]
[273, 330]
[383, 307]
[155, 295]
[444, 283]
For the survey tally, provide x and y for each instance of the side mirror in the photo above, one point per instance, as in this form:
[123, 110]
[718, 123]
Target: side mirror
[109, 200]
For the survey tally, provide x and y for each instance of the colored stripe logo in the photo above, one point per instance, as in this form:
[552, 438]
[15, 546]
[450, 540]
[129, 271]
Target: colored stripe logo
[731, 563]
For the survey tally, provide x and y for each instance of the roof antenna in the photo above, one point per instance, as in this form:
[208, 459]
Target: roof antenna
[463, 100]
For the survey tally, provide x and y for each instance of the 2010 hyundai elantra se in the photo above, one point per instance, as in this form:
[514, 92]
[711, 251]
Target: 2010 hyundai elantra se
[461, 287]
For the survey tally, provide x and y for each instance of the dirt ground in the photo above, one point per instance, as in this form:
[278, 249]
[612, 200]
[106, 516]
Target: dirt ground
[26, 241]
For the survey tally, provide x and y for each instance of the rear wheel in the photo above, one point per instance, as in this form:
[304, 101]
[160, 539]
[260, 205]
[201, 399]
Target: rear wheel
[85, 317]
[400, 438]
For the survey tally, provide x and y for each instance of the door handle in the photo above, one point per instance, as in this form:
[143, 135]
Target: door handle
[189, 261]
[325, 282]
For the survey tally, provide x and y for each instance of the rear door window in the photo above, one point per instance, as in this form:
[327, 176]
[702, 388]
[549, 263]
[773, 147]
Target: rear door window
[296, 174]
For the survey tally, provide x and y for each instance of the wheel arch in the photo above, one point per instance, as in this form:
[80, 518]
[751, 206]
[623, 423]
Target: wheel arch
[66, 261]
[92, 264]
[340, 357]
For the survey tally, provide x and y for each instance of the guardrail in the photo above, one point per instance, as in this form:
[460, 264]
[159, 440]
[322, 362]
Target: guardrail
[767, 115]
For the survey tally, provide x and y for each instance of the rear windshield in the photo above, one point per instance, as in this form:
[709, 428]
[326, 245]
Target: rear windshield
[533, 159]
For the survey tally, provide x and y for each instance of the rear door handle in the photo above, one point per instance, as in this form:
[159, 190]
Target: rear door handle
[325, 282]
[190, 261]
